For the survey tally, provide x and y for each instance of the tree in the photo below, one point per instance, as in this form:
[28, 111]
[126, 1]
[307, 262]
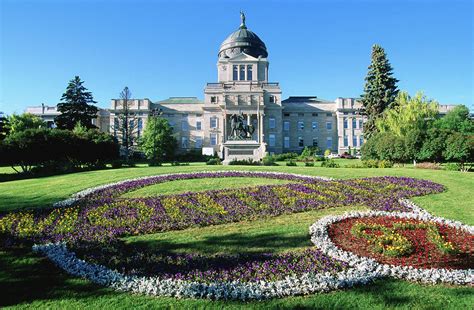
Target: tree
[380, 89]
[4, 126]
[409, 113]
[158, 142]
[460, 148]
[21, 122]
[126, 123]
[457, 120]
[76, 106]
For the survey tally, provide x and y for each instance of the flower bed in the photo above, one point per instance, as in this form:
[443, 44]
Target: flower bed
[100, 214]
[91, 221]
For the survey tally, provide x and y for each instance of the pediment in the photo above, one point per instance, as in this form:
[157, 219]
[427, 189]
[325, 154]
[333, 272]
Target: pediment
[243, 57]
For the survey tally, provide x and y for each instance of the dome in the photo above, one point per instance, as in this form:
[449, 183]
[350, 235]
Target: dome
[242, 40]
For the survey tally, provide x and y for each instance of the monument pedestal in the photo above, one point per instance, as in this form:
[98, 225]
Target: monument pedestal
[243, 150]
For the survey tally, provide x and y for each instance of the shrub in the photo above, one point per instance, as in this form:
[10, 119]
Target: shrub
[117, 163]
[269, 160]
[327, 153]
[330, 163]
[370, 163]
[244, 162]
[452, 167]
[291, 163]
[285, 156]
[214, 161]
[384, 164]
[309, 163]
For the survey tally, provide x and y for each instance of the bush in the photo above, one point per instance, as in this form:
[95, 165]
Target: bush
[291, 163]
[384, 164]
[214, 161]
[118, 163]
[154, 163]
[244, 162]
[452, 167]
[285, 156]
[309, 163]
[327, 153]
[269, 160]
[330, 163]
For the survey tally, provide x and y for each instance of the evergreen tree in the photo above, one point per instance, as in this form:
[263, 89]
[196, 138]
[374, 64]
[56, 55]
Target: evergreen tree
[76, 106]
[380, 89]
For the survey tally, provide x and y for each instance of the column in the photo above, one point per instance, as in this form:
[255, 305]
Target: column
[224, 139]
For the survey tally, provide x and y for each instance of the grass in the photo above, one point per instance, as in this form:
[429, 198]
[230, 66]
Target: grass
[31, 281]
[195, 185]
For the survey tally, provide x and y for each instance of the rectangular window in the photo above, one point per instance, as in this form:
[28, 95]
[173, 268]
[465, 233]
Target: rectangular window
[286, 114]
[272, 123]
[314, 125]
[184, 142]
[140, 126]
[286, 142]
[361, 124]
[300, 125]
[329, 143]
[345, 113]
[198, 143]
[346, 141]
[300, 141]
[213, 139]
[272, 99]
[271, 140]
[235, 73]
[184, 125]
[346, 123]
[354, 123]
[249, 72]
[198, 125]
[315, 141]
[329, 114]
[315, 114]
[329, 125]
[361, 140]
[213, 99]
[213, 122]
[354, 140]
[286, 126]
[242, 73]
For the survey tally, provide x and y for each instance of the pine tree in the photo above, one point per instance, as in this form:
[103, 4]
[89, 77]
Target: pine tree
[380, 89]
[76, 106]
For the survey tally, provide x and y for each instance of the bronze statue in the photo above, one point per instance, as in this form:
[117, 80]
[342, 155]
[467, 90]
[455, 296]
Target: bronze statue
[238, 129]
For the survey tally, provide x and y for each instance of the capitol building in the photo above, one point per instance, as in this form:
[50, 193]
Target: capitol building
[243, 115]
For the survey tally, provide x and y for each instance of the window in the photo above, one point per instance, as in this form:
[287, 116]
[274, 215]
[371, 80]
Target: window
[213, 139]
[314, 125]
[315, 114]
[249, 72]
[300, 125]
[329, 125]
[346, 123]
[198, 143]
[213, 99]
[361, 124]
[346, 142]
[329, 143]
[286, 126]
[329, 114]
[198, 125]
[361, 140]
[213, 122]
[242, 73]
[198, 115]
[184, 142]
[354, 123]
[271, 140]
[184, 125]
[272, 123]
[140, 127]
[315, 141]
[354, 140]
[286, 142]
[300, 141]
[286, 114]
[235, 73]
[272, 99]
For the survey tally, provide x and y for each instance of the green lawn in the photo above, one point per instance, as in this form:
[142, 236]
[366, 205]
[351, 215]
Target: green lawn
[31, 281]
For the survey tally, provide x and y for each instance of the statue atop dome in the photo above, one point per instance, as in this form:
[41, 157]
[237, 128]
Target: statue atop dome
[242, 20]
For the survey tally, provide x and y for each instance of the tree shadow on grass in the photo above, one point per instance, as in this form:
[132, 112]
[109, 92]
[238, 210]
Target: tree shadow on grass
[26, 277]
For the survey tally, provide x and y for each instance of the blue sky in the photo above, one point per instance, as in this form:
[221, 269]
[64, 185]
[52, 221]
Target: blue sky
[169, 48]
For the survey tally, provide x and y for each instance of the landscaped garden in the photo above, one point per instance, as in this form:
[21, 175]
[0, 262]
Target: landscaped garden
[259, 236]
